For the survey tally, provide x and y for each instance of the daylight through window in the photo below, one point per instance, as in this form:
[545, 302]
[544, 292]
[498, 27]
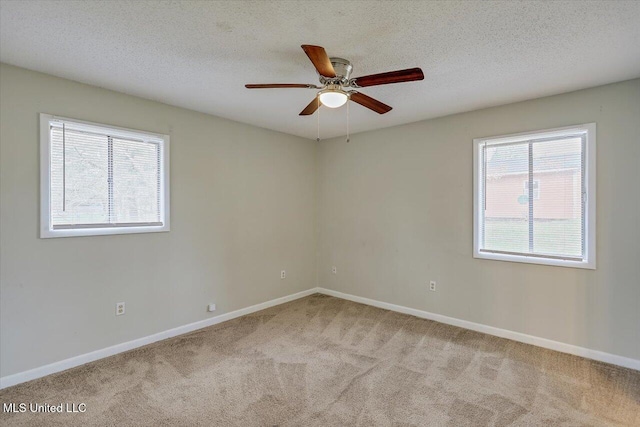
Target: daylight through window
[102, 180]
[533, 197]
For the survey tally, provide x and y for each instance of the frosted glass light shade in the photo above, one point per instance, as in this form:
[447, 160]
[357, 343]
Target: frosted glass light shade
[333, 99]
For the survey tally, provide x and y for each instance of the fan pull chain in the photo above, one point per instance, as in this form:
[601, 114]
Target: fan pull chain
[348, 139]
[318, 138]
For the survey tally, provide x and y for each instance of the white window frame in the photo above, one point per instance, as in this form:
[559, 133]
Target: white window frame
[46, 225]
[589, 259]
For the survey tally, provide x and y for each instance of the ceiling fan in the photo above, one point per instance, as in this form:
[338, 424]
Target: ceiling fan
[335, 76]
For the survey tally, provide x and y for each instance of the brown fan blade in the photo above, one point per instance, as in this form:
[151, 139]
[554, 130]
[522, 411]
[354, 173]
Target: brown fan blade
[320, 60]
[311, 108]
[370, 103]
[280, 86]
[399, 76]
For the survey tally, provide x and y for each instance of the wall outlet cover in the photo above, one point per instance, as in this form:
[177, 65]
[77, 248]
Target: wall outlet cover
[120, 308]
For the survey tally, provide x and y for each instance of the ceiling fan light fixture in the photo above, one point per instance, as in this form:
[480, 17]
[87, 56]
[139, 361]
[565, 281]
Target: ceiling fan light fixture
[333, 98]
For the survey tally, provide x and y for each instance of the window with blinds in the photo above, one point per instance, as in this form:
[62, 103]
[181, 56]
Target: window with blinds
[534, 197]
[102, 180]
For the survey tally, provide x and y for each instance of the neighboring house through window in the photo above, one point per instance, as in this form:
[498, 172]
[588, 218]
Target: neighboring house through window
[514, 220]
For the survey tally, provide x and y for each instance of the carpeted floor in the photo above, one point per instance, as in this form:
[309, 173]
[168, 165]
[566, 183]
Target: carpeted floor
[329, 362]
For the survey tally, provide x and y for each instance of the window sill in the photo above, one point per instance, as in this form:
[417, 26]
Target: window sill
[47, 233]
[591, 265]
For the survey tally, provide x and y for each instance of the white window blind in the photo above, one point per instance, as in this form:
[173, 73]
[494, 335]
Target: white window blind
[549, 219]
[104, 178]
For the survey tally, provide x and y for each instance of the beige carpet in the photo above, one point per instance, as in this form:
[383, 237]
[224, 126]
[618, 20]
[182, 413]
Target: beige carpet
[329, 362]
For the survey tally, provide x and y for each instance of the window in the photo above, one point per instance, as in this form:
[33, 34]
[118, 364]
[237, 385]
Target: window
[101, 180]
[536, 190]
[517, 222]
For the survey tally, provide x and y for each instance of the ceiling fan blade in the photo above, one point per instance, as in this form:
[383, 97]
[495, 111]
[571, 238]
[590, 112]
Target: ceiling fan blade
[320, 60]
[408, 75]
[281, 86]
[370, 103]
[311, 108]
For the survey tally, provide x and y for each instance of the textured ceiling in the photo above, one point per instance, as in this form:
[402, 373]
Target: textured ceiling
[199, 55]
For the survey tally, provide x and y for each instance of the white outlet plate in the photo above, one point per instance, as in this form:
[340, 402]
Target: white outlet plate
[334, 269]
[120, 308]
[432, 285]
[211, 307]
[283, 274]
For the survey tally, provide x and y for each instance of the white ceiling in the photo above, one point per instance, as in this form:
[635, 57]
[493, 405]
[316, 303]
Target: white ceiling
[199, 55]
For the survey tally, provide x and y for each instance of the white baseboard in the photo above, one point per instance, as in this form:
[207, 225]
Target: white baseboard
[503, 333]
[72, 362]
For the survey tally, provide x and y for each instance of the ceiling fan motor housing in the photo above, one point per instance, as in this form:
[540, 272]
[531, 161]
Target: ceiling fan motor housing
[343, 69]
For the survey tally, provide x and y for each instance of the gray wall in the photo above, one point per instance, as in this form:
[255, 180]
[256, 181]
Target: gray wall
[242, 208]
[395, 210]
[392, 210]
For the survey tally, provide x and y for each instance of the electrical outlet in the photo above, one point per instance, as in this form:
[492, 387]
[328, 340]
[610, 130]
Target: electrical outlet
[432, 285]
[211, 307]
[283, 274]
[334, 269]
[119, 308]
